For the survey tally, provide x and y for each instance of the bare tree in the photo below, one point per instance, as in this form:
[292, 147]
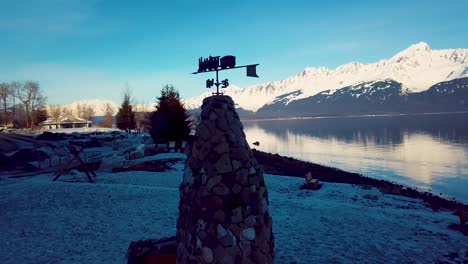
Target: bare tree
[139, 115]
[38, 109]
[14, 87]
[108, 113]
[85, 111]
[67, 111]
[89, 113]
[55, 111]
[25, 94]
[79, 110]
[32, 98]
[5, 92]
[20, 116]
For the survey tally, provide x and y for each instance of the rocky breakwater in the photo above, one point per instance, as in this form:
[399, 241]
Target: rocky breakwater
[223, 210]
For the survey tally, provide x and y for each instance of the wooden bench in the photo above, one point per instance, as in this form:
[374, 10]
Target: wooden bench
[463, 214]
[311, 183]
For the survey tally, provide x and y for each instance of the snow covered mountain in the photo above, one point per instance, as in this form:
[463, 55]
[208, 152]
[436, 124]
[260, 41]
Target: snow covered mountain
[387, 96]
[417, 68]
[99, 106]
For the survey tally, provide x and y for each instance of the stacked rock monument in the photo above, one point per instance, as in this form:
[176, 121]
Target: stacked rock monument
[223, 210]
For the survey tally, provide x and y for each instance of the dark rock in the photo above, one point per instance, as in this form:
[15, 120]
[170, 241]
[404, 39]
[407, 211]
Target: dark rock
[207, 254]
[221, 190]
[52, 136]
[153, 165]
[249, 221]
[152, 251]
[219, 216]
[210, 241]
[228, 240]
[151, 151]
[238, 259]
[213, 202]
[229, 180]
[453, 255]
[237, 215]
[237, 188]
[4, 162]
[87, 143]
[201, 235]
[29, 167]
[371, 197]
[27, 155]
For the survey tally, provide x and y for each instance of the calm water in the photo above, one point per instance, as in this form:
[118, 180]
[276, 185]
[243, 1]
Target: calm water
[425, 151]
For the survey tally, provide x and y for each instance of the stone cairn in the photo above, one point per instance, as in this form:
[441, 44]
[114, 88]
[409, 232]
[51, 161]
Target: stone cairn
[223, 210]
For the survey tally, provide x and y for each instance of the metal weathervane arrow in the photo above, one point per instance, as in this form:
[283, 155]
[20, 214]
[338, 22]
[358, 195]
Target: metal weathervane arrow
[214, 63]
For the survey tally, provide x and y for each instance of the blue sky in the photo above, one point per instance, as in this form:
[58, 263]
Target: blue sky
[85, 49]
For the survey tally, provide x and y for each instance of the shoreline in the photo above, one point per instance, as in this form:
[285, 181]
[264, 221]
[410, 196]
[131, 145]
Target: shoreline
[347, 116]
[282, 165]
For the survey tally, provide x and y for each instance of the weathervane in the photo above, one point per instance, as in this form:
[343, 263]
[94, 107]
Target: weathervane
[214, 63]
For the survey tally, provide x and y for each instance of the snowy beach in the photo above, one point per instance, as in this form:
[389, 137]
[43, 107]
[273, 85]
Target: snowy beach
[73, 221]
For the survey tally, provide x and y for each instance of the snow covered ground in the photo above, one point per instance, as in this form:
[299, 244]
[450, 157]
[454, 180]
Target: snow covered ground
[73, 221]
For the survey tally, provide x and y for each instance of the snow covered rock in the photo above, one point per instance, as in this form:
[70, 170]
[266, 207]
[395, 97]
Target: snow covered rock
[223, 211]
[138, 153]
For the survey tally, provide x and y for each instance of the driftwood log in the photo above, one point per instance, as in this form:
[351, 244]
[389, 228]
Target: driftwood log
[152, 251]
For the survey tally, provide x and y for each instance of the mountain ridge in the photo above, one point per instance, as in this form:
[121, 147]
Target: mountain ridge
[417, 67]
[99, 106]
[375, 97]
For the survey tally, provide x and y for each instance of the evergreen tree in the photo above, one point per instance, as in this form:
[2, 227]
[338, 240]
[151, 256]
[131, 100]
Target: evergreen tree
[170, 121]
[125, 118]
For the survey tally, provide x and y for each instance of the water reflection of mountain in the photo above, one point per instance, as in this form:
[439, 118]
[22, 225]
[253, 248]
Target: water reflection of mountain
[373, 130]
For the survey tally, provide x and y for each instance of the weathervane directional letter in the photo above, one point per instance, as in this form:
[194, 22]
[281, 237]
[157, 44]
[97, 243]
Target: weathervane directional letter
[225, 83]
[209, 83]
